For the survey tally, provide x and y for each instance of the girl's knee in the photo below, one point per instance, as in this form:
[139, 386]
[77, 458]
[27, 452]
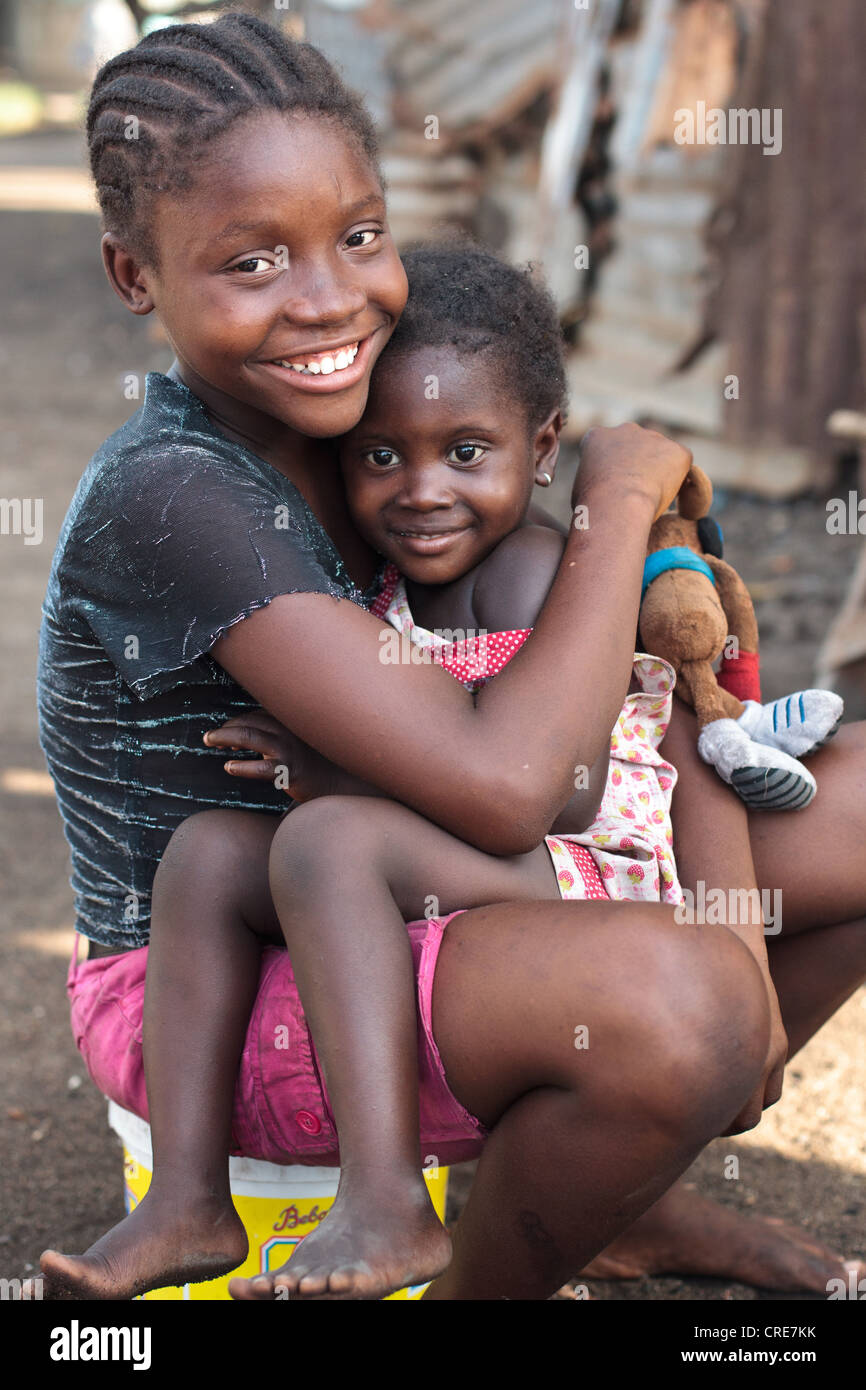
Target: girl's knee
[719, 1054]
[701, 1030]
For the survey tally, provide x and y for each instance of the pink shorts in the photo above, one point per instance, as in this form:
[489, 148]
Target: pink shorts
[281, 1108]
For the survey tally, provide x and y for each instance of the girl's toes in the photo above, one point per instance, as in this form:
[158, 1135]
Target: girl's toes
[342, 1281]
[311, 1285]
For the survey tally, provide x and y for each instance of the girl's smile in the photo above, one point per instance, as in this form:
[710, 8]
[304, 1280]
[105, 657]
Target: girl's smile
[277, 280]
[328, 369]
[419, 542]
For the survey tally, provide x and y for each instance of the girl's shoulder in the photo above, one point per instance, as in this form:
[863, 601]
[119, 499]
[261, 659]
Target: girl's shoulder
[169, 466]
[513, 581]
[171, 432]
[174, 523]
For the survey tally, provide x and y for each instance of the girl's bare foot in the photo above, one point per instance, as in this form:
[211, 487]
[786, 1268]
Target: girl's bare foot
[367, 1247]
[685, 1233]
[160, 1243]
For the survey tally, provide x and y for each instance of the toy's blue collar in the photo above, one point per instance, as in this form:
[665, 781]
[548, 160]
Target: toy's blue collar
[675, 557]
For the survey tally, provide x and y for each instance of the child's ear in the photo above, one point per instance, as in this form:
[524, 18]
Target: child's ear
[126, 275]
[546, 448]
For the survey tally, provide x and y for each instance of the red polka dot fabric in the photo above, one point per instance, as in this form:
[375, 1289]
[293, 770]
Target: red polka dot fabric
[472, 660]
[586, 868]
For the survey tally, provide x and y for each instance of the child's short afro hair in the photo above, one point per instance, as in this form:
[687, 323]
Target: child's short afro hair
[463, 296]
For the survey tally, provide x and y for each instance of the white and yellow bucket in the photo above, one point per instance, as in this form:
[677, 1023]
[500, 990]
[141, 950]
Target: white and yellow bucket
[278, 1205]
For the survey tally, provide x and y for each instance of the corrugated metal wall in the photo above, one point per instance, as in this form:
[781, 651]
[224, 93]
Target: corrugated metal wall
[790, 237]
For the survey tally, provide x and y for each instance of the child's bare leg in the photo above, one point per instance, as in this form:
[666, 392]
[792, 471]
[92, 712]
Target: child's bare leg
[211, 906]
[583, 1140]
[346, 874]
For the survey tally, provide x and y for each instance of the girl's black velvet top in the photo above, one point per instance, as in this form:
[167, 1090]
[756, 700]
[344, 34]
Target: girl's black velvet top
[174, 533]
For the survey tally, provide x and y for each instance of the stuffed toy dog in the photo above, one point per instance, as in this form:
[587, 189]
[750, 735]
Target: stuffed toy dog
[696, 608]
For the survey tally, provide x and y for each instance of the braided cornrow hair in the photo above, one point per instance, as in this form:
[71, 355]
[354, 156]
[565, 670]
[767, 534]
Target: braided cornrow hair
[154, 107]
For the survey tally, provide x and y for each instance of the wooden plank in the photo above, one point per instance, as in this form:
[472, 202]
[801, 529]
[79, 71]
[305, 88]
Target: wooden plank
[846, 641]
[566, 136]
[789, 242]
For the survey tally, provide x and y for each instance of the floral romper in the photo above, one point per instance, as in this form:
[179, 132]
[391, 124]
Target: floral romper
[627, 851]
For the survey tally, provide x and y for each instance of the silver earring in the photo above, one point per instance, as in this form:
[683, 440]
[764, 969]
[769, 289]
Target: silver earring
[547, 479]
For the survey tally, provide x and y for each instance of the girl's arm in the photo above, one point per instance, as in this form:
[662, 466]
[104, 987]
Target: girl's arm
[510, 590]
[511, 586]
[496, 772]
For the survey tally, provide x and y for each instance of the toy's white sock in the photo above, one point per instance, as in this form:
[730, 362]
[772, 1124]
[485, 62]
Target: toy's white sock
[762, 776]
[797, 724]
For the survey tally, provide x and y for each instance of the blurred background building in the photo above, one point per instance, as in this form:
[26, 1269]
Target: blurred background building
[716, 290]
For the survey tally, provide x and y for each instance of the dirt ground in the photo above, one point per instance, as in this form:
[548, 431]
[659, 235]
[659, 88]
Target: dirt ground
[68, 347]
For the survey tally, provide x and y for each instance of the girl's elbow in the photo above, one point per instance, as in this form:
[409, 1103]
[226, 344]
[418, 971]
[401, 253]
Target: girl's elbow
[507, 841]
[517, 820]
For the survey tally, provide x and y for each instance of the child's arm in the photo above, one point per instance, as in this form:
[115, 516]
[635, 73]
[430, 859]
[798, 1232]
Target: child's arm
[317, 667]
[711, 843]
[510, 589]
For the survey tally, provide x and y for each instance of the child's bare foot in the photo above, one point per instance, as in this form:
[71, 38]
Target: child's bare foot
[685, 1233]
[366, 1247]
[160, 1243]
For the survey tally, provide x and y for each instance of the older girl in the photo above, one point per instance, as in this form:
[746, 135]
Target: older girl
[208, 564]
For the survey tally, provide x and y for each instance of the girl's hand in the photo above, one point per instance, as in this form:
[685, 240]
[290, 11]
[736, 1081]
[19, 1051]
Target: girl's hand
[769, 1088]
[303, 773]
[777, 1055]
[632, 459]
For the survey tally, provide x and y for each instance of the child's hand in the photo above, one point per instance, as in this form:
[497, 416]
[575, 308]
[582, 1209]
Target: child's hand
[256, 731]
[305, 774]
[632, 459]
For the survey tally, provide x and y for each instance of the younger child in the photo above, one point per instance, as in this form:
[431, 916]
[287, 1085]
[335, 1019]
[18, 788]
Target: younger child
[463, 421]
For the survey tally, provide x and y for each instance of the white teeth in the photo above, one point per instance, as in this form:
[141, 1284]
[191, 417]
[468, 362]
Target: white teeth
[344, 358]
